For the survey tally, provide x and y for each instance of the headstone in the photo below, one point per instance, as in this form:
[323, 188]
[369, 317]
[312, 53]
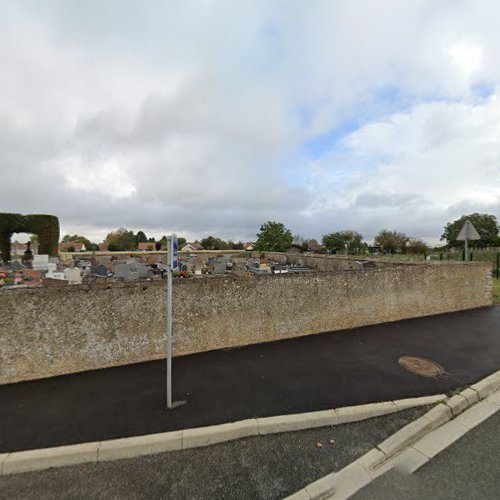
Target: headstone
[219, 267]
[131, 272]
[99, 270]
[41, 262]
[142, 270]
[74, 276]
[253, 263]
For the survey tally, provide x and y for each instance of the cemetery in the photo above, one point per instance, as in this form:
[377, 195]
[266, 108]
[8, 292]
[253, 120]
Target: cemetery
[67, 312]
[110, 321]
[76, 269]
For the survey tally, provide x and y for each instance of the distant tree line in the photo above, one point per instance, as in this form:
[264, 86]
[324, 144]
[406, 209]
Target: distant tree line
[275, 237]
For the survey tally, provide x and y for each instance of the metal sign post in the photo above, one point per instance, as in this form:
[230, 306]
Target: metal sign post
[468, 232]
[172, 266]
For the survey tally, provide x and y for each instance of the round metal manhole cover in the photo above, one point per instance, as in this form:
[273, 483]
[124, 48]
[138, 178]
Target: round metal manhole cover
[421, 366]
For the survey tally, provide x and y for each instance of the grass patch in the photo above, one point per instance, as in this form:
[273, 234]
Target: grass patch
[496, 291]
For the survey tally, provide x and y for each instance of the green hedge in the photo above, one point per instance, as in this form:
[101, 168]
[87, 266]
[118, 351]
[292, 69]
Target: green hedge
[45, 226]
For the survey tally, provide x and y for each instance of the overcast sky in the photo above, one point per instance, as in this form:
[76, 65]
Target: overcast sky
[212, 117]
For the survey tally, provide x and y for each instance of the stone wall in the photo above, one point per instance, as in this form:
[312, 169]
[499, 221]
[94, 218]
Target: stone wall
[51, 331]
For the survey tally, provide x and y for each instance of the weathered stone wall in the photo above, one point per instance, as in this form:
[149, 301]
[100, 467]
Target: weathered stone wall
[52, 331]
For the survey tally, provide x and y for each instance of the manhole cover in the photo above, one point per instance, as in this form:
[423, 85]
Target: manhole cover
[421, 366]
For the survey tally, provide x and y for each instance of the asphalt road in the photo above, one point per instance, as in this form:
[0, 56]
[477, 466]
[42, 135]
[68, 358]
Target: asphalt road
[469, 468]
[300, 375]
[263, 467]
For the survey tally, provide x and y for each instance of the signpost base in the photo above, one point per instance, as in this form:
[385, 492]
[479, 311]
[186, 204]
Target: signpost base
[176, 404]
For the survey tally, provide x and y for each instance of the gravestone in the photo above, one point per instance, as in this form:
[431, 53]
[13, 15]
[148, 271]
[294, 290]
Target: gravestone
[142, 270]
[253, 263]
[99, 270]
[41, 262]
[219, 267]
[73, 275]
[131, 272]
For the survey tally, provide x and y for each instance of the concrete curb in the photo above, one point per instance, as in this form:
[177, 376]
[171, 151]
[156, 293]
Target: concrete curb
[415, 444]
[115, 449]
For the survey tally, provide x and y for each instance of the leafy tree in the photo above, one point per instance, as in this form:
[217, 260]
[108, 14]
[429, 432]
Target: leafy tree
[213, 243]
[76, 238]
[417, 246]
[120, 240]
[349, 240]
[238, 245]
[486, 225]
[140, 237]
[181, 241]
[273, 237]
[392, 240]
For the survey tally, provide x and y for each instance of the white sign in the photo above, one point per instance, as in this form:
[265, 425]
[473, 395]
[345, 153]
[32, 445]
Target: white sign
[468, 232]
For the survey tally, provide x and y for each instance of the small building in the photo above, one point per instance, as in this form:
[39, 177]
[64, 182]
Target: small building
[191, 247]
[248, 246]
[314, 246]
[72, 246]
[17, 249]
[103, 247]
[294, 248]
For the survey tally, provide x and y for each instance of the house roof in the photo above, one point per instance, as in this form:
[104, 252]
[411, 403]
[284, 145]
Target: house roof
[146, 245]
[314, 245]
[193, 246]
[77, 245]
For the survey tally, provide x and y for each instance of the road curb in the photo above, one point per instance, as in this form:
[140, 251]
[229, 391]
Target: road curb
[135, 446]
[414, 444]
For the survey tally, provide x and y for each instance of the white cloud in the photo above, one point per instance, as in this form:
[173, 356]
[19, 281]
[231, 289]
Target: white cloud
[192, 117]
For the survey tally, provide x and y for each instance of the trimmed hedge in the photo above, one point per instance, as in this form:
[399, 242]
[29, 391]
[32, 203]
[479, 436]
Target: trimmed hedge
[45, 226]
